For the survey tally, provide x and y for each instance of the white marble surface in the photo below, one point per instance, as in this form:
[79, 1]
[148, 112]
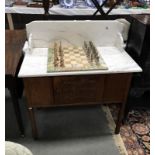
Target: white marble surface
[102, 33]
[106, 35]
[117, 60]
[57, 10]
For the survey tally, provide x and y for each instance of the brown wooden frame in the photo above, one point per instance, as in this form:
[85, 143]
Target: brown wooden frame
[76, 90]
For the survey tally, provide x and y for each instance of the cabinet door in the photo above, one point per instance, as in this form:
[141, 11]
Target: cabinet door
[39, 91]
[78, 89]
[116, 87]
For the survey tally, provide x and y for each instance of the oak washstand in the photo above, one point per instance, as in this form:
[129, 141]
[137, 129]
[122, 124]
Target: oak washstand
[69, 88]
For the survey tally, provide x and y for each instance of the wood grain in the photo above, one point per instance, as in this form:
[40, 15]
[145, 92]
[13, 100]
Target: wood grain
[115, 86]
[14, 42]
[39, 91]
[76, 90]
[79, 89]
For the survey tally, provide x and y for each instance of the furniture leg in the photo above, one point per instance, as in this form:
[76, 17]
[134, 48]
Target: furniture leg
[126, 111]
[20, 87]
[120, 117]
[33, 123]
[14, 97]
[9, 17]
[122, 106]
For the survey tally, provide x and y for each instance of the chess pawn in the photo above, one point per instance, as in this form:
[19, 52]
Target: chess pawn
[91, 57]
[96, 55]
[56, 59]
[97, 61]
[62, 63]
[55, 64]
[55, 49]
[60, 49]
[88, 52]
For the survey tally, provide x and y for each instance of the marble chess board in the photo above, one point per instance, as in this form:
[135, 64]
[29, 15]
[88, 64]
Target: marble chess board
[73, 58]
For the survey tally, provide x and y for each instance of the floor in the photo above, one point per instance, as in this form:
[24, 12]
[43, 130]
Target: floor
[135, 132]
[64, 131]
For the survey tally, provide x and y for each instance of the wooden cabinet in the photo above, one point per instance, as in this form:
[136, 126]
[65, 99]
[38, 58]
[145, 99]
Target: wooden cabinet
[76, 90]
[39, 91]
[79, 89]
[73, 90]
[116, 86]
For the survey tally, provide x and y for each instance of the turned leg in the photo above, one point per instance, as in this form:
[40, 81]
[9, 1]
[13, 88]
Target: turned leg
[33, 123]
[120, 117]
[14, 97]
[122, 105]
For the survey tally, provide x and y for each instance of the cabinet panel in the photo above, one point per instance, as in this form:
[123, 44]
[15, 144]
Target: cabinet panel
[116, 86]
[78, 89]
[74, 90]
[39, 91]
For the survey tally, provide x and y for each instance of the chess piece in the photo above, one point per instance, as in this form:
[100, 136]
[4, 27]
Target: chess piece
[61, 55]
[61, 63]
[60, 49]
[96, 56]
[97, 60]
[61, 60]
[86, 49]
[91, 57]
[56, 58]
[95, 53]
[90, 52]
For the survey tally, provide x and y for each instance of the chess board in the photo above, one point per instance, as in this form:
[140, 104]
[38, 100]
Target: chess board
[74, 59]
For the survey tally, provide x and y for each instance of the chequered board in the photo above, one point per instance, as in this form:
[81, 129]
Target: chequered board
[75, 59]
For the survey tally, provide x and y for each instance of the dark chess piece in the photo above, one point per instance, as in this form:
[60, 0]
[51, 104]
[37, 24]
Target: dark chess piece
[86, 48]
[88, 52]
[97, 60]
[61, 63]
[56, 58]
[60, 49]
[91, 57]
[92, 46]
[56, 61]
[61, 55]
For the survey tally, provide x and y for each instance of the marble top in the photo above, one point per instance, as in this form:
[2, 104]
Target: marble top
[117, 60]
[107, 36]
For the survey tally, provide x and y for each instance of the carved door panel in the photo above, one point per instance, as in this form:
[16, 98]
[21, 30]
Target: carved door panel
[78, 89]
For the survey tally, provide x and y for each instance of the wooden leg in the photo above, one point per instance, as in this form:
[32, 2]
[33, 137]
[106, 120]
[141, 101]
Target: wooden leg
[126, 112]
[14, 97]
[10, 21]
[120, 117]
[122, 106]
[20, 88]
[33, 123]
